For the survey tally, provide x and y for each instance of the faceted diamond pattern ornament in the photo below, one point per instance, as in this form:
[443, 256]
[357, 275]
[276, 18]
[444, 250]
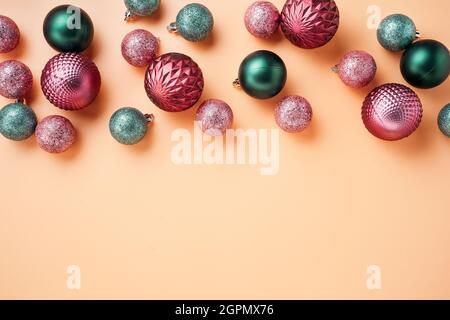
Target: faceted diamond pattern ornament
[174, 82]
[70, 81]
[392, 112]
[310, 24]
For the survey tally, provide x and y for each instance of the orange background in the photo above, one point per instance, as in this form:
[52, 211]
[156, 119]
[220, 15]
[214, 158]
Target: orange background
[142, 227]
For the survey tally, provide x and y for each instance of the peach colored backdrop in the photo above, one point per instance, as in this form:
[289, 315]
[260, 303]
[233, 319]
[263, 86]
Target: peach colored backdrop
[141, 227]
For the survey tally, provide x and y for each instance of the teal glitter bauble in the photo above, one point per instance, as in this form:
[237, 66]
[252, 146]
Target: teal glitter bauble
[194, 22]
[129, 125]
[17, 121]
[396, 32]
[444, 120]
[425, 64]
[142, 8]
[262, 74]
[68, 29]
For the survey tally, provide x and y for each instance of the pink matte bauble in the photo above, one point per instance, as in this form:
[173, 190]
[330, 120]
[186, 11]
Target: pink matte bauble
[392, 112]
[357, 69]
[9, 34]
[70, 81]
[262, 19]
[140, 47]
[214, 117]
[55, 134]
[16, 79]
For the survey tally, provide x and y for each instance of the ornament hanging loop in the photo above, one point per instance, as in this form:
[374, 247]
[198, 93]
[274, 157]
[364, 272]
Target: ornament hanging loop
[21, 100]
[335, 69]
[150, 118]
[417, 34]
[128, 16]
[237, 84]
[172, 28]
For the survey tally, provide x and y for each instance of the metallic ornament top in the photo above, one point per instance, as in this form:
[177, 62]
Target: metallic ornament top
[356, 69]
[444, 120]
[140, 47]
[262, 19]
[214, 117]
[55, 134]
[17, 121]
[310, 24]
[70, 81]
[396, 32]
[129, 125]
[194, 22]
[293, 114]
[9, 34]
[16, 79]
[143, 8]
[174, 82]
[392, 112]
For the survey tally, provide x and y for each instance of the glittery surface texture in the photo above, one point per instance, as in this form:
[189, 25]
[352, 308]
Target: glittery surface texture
[17, 121]
[142, 7]
[128, 126]
[9, 35]
[444, 120]
[174, 82]
[70, 81]
[214, 117]
[357, 69]
[16, 79]
[140, 47]
[262, 19]
[293, 114]
[195, 22]
[392, 112]
[396, 32]
[55, 134]
[310, 24]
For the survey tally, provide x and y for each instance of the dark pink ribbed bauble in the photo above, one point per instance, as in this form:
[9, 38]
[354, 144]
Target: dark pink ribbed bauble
[174, 82]
[70, 81]
[392, 112]
[310, 24]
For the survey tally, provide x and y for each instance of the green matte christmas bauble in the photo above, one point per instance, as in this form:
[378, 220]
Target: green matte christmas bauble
[425, 64]
[17, 121]
[444, 120]
[129, 125]
[68, 29]
[262, 74]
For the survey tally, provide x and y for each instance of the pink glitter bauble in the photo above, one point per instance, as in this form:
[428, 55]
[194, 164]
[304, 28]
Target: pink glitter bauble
[357, 69]
[174, 82]
[140, 47]
[293, 114]
[55, 134]
[16, 79]
[9, 35]
[214, 117]
[310, 24]
[262, 19]
[70, 81]
[392, 112]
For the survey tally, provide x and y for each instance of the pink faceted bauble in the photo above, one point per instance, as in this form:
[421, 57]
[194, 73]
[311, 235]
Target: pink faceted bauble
[9, 35]
[55, 134]
[174, 82]
[70, 81]
[214, 117]
[392, 112]
[293, 114]
[16, 79]
[310, 24]
[140, 47]
[262, 19]
[357, 69]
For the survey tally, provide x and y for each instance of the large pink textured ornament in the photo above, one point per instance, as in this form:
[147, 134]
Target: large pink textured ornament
[140, 47]
[262, 19]
[310, 24]
[214, 117]
[392, 112]
[55, 134]
[293, 114]
[16, 79]
[356, 69]
[9, 34]
[70, 81]
[174, 82]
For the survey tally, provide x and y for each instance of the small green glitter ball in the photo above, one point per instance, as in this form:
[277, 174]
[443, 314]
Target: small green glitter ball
[129, 125]
[142, 8]
[17, 121]
[444, 120]
[396, 32]
[195, 22]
